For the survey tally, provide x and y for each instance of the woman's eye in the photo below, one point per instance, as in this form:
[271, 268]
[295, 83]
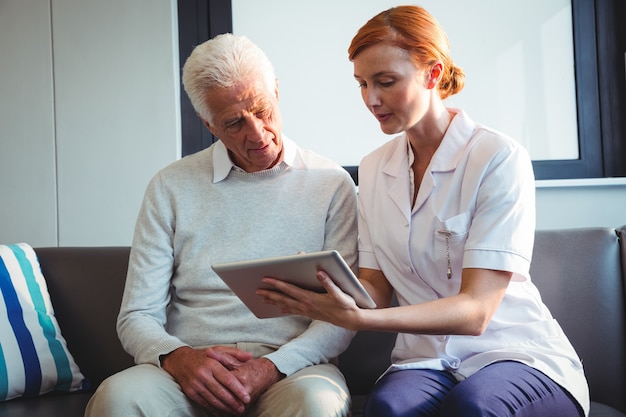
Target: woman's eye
[386, 83]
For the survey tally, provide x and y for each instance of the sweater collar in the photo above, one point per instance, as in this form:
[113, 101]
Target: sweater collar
[223, 165]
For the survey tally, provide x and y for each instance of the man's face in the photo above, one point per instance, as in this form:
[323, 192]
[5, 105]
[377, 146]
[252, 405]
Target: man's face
[247, 120]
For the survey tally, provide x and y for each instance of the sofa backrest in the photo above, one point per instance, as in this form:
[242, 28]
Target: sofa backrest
[579, 273]
[86, 286]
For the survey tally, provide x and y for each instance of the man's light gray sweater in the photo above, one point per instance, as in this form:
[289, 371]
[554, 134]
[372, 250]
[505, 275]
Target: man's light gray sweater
[191, 218]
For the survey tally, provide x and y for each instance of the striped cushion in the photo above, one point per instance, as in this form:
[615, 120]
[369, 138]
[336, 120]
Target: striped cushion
[33, 354]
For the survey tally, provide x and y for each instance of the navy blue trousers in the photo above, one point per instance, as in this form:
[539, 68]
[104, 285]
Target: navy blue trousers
[499, 390]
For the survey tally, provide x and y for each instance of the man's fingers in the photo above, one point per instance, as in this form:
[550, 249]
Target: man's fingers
[207, 400]
[228, 389]
[230, 357]
[223, 392]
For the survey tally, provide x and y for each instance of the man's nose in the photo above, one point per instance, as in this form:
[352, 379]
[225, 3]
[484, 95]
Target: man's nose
[257, 129]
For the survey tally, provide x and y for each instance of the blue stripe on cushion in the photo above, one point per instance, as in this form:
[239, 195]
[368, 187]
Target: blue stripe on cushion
[4, 376]
[61, 361]
[32, 367]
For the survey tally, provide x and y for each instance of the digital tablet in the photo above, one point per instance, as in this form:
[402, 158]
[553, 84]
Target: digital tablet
[244, 278]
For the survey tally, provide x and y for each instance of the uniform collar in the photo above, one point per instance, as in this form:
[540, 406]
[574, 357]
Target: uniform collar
[448, 153]
[454, 142]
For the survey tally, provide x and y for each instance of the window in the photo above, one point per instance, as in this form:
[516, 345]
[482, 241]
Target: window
[599, 45]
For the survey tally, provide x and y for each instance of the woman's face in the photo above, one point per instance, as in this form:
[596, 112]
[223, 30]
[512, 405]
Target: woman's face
[393, 88]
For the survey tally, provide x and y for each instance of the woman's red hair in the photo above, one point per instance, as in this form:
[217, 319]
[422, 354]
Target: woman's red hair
[415, 30]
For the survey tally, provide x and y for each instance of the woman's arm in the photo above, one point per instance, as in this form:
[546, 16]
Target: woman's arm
[466, 313]
[377, 286]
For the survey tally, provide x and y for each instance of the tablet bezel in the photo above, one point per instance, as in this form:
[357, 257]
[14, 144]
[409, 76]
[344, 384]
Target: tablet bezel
[244, 278]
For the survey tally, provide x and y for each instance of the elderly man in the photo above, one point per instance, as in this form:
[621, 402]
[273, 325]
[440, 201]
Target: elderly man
[199, 350]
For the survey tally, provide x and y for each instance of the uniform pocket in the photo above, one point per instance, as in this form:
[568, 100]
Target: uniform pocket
[450, 237]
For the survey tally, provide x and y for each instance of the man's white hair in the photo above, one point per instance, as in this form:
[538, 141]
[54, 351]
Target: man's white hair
[223, 62]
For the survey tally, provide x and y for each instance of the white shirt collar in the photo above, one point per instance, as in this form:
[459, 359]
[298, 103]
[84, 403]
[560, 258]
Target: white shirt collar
[222, 164]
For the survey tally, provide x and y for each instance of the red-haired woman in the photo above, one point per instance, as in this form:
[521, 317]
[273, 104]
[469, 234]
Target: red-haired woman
[446, 223]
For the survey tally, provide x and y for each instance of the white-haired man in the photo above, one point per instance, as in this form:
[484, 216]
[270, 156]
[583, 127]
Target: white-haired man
[199, 350]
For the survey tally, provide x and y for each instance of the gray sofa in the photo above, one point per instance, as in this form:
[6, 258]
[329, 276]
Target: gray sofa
[580, 273]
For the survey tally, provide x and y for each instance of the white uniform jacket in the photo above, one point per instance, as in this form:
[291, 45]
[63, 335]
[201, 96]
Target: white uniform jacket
[475, 209]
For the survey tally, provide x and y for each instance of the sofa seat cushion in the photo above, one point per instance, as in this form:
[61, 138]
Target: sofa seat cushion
[51, 405]
[602, 410]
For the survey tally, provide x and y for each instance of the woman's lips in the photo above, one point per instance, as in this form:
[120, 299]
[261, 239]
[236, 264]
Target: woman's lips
[383, 117]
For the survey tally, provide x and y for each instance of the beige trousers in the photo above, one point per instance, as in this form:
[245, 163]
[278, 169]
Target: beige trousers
[147, 390]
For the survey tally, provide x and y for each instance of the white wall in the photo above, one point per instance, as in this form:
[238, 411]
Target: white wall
[581, 203]
[27, 159]
[89, 111]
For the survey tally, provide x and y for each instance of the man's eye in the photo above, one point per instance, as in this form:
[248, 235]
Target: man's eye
[233, 123]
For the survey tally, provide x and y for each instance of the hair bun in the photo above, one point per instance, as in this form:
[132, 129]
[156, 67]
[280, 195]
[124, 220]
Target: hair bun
[452, 82]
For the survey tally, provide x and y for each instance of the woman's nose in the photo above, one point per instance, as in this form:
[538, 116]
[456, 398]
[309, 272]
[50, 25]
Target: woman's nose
[371, 97]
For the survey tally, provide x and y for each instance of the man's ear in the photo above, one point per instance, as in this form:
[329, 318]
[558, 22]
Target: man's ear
[436, 72]
[208, 126]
